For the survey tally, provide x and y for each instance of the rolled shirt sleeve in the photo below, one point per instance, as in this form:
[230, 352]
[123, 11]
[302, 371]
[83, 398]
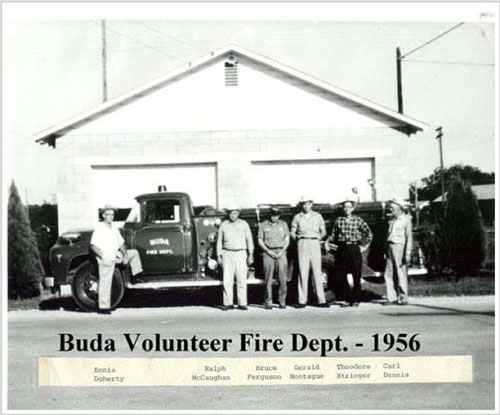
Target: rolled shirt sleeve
[219, 239]
[322, 228]
[409, 237]
[260, 232]
[295, 224]
[248, 237]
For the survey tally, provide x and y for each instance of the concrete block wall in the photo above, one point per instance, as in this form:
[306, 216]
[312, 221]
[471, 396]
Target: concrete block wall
[233, 151]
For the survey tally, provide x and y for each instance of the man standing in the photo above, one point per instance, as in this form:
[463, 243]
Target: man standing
[308, 228]
[349, 238]
[400, 242]
[235, 253]
[274, 238]
[109, 248]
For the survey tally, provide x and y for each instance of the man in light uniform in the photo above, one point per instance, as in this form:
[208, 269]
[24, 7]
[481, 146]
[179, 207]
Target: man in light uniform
[235, 253]
[109, 248]
[348, 234]
[308, 228]
[274, 238]
[399, 241]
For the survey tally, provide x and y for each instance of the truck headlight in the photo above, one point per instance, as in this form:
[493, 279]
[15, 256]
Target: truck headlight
[212, 264]
[69, 238]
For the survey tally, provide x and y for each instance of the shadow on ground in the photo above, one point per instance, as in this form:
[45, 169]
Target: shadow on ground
[447, 310]
[186, 297]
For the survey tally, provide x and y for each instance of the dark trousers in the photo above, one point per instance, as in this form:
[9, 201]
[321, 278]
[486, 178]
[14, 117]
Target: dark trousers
[274, 267]
[348, 260]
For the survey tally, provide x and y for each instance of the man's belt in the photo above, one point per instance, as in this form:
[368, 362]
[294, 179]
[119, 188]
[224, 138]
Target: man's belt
[233, 250]
[275, 247]
[349, 243]
[307, 237]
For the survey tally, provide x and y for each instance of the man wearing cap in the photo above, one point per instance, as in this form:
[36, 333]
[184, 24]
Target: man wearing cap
[235, 253]
[308, 228]
[349, 238]
[400, 242]
[274, 238]
[109, 248]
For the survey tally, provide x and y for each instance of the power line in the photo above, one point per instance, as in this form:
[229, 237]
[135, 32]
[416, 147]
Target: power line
[453, 63]
[171, 37]
[432, 40]
[142, 43]
[426, 155]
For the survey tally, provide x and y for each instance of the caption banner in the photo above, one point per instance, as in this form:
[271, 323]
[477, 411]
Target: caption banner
[70, 371]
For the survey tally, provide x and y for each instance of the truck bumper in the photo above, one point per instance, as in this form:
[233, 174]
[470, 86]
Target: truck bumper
[159, 285]
[65, 290]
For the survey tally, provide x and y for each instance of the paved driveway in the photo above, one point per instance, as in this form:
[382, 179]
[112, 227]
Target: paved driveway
[447, 326]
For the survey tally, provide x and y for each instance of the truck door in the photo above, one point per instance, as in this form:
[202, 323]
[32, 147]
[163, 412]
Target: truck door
[162, 241]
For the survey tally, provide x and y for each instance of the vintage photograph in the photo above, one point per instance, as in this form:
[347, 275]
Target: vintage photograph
[247, 207]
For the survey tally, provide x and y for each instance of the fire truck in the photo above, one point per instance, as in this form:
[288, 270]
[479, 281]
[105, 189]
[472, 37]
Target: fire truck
[176, 243]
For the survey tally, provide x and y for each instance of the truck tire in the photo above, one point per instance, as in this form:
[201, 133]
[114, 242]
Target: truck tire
[85, 283]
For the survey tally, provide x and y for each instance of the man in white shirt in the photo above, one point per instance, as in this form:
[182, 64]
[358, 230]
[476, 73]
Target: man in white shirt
[400, 242]
[308, 229]
[235, 253]
[109, 248]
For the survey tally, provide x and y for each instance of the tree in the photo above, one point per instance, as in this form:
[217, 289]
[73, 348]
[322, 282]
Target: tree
[24, 266]
[43, 220]
[463, 227]
[431, 188]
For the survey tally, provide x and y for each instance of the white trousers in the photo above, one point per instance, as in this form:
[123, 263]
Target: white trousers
[396, 274]
[235, 267]
[106, 271]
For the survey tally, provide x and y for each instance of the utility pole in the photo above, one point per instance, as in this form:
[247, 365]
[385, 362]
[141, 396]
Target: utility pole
[400, 85]
[399, 58]
[104, 62]
[439, 136]
[416, 203]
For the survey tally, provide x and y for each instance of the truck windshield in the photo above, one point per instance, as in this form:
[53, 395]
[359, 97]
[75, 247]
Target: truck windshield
[162, 211]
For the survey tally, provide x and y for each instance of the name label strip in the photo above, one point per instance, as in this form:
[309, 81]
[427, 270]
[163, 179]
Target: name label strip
[75, 371]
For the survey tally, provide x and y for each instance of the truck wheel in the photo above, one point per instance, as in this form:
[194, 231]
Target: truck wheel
[85, 287]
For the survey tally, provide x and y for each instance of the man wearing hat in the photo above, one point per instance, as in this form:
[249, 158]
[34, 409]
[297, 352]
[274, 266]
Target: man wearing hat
[349, 238]
[235, 253]
[274, 238]
[400, 242]
[308, 228]
[108, 246]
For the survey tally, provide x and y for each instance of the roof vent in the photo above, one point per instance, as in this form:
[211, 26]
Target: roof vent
[231, 71]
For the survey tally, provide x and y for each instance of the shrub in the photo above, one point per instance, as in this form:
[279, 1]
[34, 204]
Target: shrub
[24, 266]
[464, 230]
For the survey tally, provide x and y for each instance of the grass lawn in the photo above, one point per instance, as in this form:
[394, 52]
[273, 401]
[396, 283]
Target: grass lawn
[27, 304]
[425, 286]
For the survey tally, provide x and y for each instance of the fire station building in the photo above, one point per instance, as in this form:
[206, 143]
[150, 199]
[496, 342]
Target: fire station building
[233, 126]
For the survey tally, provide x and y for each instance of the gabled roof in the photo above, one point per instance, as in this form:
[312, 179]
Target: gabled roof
[408, 124]
[482, 192]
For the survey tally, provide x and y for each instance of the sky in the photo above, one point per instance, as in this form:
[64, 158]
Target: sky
[52, 69]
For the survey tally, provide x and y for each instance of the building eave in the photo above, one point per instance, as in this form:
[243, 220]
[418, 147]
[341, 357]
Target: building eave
[49, 136]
